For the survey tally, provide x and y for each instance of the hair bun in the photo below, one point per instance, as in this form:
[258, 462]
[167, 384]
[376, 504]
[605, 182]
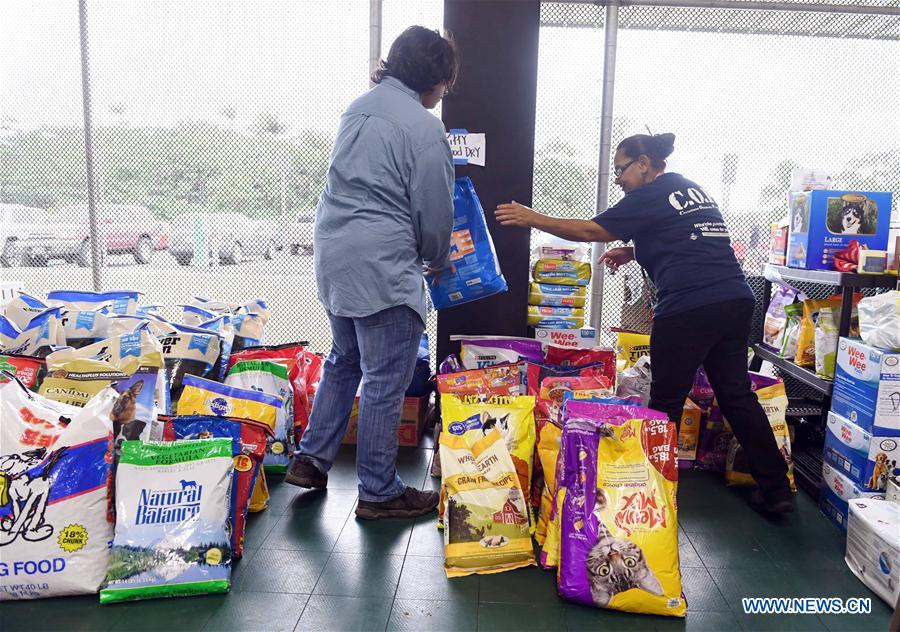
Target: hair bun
[665, 144]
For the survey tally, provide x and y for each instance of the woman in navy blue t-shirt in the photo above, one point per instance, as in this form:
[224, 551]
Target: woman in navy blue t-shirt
[705, 306]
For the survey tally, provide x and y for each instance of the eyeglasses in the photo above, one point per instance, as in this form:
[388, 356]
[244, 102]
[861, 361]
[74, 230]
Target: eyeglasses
[620, 170]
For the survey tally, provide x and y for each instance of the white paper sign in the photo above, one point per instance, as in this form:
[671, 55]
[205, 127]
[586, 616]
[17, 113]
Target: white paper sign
[467, 149]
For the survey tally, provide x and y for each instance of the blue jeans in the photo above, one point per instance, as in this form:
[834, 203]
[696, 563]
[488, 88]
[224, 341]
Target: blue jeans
[381, 351]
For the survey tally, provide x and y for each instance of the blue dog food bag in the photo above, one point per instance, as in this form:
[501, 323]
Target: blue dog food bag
[172, 515]
[471, 251]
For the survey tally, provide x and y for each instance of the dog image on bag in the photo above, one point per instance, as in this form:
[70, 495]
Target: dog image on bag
[27, 490]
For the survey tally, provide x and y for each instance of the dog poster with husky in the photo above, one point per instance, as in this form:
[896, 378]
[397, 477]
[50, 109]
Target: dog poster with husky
[852, 214]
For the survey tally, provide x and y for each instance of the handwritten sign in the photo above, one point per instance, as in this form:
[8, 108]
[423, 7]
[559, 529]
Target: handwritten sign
[467, 149]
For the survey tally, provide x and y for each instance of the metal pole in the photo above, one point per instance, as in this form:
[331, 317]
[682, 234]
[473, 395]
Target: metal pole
[751, 5]
[610, 34]
[374, 35]
[89, 146]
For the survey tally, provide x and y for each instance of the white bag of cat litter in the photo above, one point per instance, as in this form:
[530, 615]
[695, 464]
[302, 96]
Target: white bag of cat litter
[172, 512]
[55, 470]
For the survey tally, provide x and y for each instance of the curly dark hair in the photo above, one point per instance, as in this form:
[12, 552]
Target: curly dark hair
[421, 59]
[656, 147]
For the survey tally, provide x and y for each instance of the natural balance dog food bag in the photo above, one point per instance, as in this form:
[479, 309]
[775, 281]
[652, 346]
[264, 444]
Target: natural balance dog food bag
[486, 524]
[271, 378]
[172, 510]
[472, 253]
[248, 447]
[55, 473]
[619, 545]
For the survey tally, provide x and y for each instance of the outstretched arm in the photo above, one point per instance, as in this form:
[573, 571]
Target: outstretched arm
[515, 214]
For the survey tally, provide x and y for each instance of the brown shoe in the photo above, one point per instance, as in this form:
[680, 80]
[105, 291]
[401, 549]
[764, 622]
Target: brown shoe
[303, 473]
[411, 503]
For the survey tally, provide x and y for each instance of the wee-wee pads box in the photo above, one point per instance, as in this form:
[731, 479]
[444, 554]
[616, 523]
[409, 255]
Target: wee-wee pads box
[825, 222]
[866, 460]
[585, 338]
[838, 490]
[867, 387]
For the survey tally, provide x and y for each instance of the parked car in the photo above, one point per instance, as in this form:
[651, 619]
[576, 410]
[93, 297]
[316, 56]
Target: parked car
[297, 236]
[128, 229]
[27, 237]
[231, 237]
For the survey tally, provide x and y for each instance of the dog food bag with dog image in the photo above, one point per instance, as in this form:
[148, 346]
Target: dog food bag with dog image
[189, 351]
[486, 524]
[55, 477]
[271, 378]
[131, 363]
[248, 447]
[619, 544]
[172, 512]
[29, 371]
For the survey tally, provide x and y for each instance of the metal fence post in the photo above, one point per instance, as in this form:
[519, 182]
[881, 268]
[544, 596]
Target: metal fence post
[611, 30]
[374, 36]
[89, 147]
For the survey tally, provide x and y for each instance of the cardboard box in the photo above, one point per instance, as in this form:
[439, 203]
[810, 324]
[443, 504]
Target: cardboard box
[866, 460]
[689, 434]
[412, 421]
[837, 491]
[867, 387]
[778, 252]
[825, 222]
[585, 338]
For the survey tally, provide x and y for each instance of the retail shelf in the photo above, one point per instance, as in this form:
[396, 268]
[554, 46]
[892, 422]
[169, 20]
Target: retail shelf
[804, 375]
[808, 470]
[836, 279]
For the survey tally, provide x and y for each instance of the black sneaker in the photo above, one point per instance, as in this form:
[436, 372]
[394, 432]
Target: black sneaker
[303, 473]
[411, 503]
[772, 506]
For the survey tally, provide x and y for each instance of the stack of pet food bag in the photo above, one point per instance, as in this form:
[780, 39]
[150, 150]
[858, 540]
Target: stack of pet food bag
[861, 468]
[558, 292]
[534, 443]
[117, 425]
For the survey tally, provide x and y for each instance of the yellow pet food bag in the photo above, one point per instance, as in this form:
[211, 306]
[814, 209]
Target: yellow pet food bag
[630, 348]
[561, 272]
[486, 523]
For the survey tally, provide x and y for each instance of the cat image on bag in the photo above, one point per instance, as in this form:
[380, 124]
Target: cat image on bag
[615, 565]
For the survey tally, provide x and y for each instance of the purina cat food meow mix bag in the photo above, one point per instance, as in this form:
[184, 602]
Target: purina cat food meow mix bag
[486, 523]
[619, 537]
[55, 477]
[513, 417]
[172, 509]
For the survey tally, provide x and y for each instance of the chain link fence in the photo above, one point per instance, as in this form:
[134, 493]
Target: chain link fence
[749, 95]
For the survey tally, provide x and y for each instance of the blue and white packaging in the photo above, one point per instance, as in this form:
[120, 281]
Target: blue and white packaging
[867, 387]
[585, 338]
[837, 491]
[846, 448]
[472, 252]
[825, 222]
[873, 546]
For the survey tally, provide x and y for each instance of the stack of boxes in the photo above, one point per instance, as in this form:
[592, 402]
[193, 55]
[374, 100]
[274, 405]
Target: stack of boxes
[558, 293]
[862, 444]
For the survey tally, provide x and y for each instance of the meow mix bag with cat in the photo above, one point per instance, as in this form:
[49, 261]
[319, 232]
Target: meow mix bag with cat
[486, 523]
[619, 538]
[248, 447]
[172, 506]
[55, 478]
[513, 417]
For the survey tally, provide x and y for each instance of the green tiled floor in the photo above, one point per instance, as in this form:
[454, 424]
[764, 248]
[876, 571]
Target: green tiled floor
[310, 565]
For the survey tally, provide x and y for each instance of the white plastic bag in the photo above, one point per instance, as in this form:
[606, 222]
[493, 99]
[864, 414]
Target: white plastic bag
[879, 320]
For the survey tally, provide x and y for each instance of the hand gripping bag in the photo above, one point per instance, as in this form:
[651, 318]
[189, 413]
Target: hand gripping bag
[271, 378]
[619, 537]
[471, 252]
[486, 524]
[172, 512]
[55, 477]
[248, 447]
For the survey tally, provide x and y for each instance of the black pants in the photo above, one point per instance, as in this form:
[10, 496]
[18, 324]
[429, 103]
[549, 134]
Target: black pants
[716, 336]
